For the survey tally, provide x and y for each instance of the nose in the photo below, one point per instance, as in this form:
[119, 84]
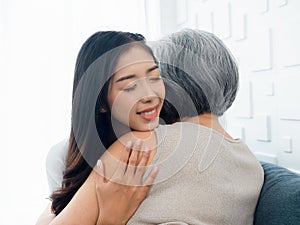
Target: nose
[147, 94]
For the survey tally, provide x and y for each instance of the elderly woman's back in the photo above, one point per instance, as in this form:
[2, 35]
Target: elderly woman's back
[205, 179]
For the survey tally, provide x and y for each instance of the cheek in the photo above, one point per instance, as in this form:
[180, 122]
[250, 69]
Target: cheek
[159, 89]
[121, 106]
[163, 94]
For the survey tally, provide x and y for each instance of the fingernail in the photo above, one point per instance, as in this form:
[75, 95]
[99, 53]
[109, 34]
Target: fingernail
[100, 166]
[128, 144]
[138, 142]
[147, 150]
[99, 163]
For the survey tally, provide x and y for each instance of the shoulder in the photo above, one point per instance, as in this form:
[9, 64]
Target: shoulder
[179, 130]
[148, 139]
[55, 164]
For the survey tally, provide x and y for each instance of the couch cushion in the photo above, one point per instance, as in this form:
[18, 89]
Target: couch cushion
[279, 201]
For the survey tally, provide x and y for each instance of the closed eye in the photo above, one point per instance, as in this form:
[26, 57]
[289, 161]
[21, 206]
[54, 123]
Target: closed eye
[155, 78]
[130, 88]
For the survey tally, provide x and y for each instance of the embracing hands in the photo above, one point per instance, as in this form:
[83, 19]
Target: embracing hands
[119, 197]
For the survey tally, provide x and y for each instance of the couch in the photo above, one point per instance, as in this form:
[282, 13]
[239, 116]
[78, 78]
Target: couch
[279, 201]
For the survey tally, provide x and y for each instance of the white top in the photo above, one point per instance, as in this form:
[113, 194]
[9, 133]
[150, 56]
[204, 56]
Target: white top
[55, 165]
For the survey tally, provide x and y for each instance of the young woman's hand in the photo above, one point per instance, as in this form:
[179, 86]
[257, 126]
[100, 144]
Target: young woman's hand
[119, 197]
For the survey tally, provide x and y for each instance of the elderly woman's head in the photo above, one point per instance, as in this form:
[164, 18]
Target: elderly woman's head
[200, 74]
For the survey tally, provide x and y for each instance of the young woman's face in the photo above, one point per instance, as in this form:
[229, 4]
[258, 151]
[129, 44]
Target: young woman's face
[136, 91]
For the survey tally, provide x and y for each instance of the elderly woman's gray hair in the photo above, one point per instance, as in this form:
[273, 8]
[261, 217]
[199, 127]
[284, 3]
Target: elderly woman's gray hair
[196, 65]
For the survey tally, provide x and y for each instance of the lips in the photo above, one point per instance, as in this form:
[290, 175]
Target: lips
[149, 113]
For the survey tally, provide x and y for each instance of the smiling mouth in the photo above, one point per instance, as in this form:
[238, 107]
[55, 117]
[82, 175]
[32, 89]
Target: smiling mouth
[149, 114]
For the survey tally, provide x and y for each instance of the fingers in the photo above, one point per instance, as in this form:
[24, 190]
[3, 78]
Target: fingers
[141, 167]
[134, 158]
[126, 153]
[127, 164]
[122, 165]
[133, 165]
[135, 153]
[146, 186]
[151, 177]
[145, 157]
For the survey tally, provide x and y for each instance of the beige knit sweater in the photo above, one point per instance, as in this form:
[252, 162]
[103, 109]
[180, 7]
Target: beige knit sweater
[204, 178]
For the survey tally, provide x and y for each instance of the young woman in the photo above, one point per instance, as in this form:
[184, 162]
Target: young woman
[205, 176]
[117, 88]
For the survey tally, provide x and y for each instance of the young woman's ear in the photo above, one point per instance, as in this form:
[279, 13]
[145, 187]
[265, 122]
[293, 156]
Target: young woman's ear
[103, 109]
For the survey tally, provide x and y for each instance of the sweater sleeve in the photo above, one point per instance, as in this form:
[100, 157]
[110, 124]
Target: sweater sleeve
[55, 165]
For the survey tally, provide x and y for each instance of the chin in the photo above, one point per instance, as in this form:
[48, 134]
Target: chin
[147, 126]
[153, 124]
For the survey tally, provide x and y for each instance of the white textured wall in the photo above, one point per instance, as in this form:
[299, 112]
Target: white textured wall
[264, 36]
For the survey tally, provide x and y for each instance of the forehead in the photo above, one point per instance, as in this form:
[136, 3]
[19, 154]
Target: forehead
[135, 54]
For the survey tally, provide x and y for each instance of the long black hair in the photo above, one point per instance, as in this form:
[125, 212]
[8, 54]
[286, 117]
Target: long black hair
[91, 131]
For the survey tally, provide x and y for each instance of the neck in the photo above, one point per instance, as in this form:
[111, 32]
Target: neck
[119, 128]
[208, 120]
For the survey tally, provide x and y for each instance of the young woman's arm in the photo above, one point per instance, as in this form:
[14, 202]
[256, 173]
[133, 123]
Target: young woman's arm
[114, 198]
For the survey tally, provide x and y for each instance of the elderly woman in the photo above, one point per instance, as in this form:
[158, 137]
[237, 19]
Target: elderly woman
[205, 175]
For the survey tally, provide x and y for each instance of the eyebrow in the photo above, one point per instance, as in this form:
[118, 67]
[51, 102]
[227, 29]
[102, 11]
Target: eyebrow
[152, 68]
[133, 76]
[126, 78]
